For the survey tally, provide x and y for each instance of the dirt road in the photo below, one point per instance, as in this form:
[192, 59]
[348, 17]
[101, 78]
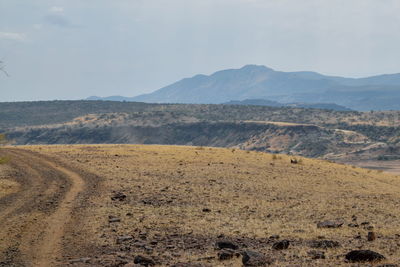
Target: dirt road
[33, 220]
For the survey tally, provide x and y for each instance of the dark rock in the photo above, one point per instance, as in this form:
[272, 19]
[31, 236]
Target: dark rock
[364, 223]
[253, 258]
[316, 255]
[371, 236]
[364, 256]
[118, 196]
[284, 244]
[330, 224]
[124, 238]
[113, 219]
[188, 264]
[274, 237]
[226, 254]
[324, 244]
[206, 210]
[223, 244]
[353, 225]
[143, 261]
[81, 260]
[358, 236]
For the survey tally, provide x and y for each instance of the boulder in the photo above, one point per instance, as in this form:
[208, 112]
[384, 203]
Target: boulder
[253, 258]
[371, 236]
[226, 254]
[280, 245]
[223, 244]
[143, 261]
[364, 256]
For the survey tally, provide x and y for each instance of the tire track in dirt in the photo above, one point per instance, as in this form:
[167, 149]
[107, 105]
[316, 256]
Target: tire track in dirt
[46, 200]
[51, 245]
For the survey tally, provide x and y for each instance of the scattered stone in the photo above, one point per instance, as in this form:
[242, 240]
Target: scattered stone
[280, 245]
[330, 224]
[364, 223]
[131, 264]
[388, 265]
[143, 261]
[188, 264]
[81, 260]
[316, 255]
[274, 237]
[224, 244]
[253, 258]
[124, 238]
[364, 256]
[371, 236]
[354, 225]
[324, 244]
[226, 254]
[113, 219]
[118, 196]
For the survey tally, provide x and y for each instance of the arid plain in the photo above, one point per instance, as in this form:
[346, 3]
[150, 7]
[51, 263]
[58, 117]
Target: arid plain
[105, 205]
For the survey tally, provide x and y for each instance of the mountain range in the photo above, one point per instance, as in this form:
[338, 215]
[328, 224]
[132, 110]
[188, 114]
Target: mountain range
[380, 92]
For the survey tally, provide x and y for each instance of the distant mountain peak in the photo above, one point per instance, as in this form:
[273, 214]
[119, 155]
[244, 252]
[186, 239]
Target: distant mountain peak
[256, 67]
[260, 82]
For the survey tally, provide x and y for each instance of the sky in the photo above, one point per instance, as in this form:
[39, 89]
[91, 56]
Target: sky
[72, 49]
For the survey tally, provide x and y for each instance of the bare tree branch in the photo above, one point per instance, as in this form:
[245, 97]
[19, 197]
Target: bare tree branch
[3, 68]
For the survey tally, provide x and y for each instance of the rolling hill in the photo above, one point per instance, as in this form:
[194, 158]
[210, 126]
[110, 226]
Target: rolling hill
[319, 133]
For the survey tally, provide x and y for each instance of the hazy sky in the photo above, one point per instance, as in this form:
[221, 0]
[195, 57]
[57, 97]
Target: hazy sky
[72, 49]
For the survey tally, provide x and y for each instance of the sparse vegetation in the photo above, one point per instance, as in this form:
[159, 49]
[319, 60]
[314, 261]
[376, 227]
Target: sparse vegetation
[308, 132]
[172, 204]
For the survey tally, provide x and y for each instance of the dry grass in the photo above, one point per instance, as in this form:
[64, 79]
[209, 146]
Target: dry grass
[7, 186]
[251, 196]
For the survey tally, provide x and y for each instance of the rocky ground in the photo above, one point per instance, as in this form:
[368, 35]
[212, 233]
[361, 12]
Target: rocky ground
[128, 205]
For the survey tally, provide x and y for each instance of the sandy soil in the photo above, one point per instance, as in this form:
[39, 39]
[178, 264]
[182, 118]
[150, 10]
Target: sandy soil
[33, 219]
